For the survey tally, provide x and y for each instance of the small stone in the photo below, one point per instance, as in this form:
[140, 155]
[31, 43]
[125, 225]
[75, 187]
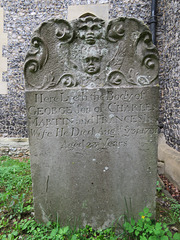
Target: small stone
[174, 229]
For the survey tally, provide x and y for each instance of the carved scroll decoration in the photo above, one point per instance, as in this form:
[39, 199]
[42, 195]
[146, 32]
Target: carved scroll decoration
[147, 56]
[64, 31]
[36, 57]
[115, 78]
[115, 30]
[68, 80]
[86, 53]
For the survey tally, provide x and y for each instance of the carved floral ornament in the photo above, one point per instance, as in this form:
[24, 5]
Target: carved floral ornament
[89, 53]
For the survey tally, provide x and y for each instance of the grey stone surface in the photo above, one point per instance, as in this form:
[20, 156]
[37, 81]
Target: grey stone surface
[170, 158]
[21, 17]
[100, 10]
[92, 107]
[160, 166]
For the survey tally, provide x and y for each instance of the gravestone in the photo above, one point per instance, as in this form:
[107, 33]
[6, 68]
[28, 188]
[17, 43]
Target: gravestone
[92, 107]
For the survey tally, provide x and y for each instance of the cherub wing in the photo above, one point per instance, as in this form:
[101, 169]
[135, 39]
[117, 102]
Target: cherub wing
[117, 59]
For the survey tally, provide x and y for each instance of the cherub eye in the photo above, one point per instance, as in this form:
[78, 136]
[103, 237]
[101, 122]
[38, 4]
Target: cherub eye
[87, 60]
[94, 27]
[96, 59]
[83, 28]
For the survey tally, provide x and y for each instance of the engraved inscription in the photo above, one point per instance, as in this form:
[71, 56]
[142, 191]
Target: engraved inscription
[67, 115]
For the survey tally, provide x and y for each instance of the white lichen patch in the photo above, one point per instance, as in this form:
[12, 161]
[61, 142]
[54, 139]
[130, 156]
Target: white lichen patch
[105, 169]
[97, 135]
[44, 216]
[111, 115]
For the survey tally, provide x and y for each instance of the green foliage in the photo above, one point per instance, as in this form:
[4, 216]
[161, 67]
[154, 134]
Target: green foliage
[15, 194]
[147, 229]
[171, 213]
[175, 209]
[16, 221]
[15, 184]
[89, 233]
[28, 229]
[158, 187]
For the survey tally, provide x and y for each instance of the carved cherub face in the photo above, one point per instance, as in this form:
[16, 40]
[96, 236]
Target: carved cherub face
[90, 28]
[91, 60]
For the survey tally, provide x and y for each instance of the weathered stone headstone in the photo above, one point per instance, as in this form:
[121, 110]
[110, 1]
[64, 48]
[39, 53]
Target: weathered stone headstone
[92, 106]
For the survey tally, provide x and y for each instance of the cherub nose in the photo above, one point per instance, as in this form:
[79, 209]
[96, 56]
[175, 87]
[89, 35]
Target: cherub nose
[90, 61]
[89, 32]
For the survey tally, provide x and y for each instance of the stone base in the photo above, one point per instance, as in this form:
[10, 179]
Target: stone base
[168, 161]
[14, 147]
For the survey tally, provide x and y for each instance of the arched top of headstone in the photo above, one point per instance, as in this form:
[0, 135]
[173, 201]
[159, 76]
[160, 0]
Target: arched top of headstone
[90, 53]
[87, 15]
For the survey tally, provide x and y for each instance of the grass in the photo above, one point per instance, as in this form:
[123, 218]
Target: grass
[17, 216]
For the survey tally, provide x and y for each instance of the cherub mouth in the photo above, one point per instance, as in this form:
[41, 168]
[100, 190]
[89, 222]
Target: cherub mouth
[90, 40]
[91, 68]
